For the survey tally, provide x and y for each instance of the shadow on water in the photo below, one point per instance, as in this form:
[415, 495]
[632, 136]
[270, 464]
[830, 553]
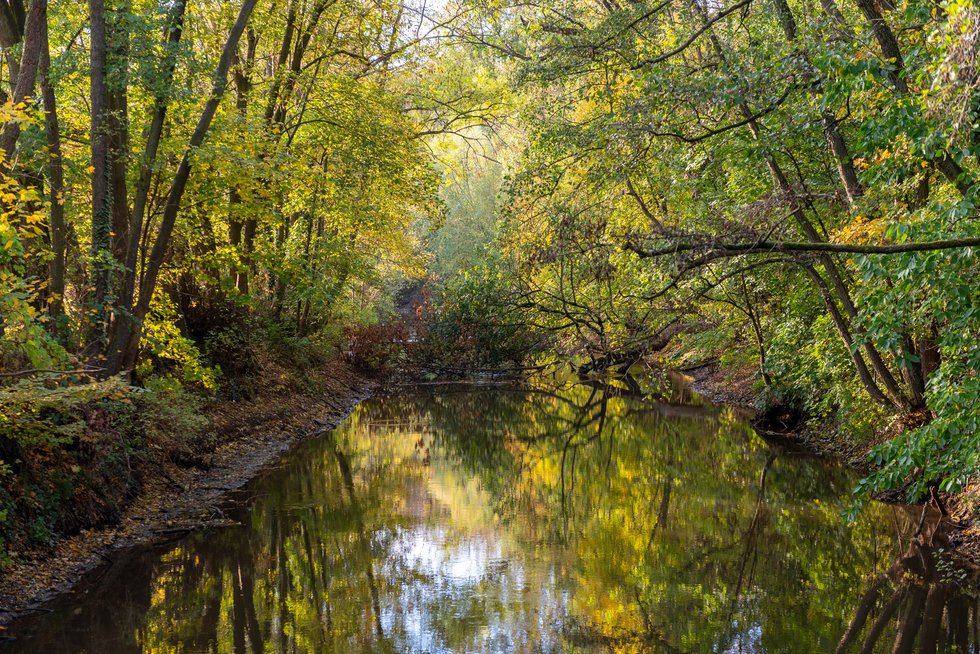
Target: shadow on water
[546, 519]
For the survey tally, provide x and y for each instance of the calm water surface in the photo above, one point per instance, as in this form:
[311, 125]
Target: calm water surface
[529, 521]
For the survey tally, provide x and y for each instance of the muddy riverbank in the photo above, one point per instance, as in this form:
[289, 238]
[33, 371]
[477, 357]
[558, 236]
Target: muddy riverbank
[173, 500]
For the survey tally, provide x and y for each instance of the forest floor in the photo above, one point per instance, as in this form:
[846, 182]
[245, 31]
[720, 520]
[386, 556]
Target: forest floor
[174, 500]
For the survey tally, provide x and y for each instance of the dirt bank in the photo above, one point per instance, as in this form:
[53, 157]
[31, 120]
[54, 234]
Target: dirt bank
[174, 500]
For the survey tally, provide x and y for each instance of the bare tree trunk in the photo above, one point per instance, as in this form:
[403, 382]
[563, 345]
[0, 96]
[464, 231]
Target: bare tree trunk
[34, 27]
[101, 199]
[845, 164]
[12, 21]
[887, 612]
[929, 355]
[910, 622]
[243, 88]
[844, 331]
[759, 340]
[251, 224]
[958, 616]
[912, 372]
[279, 286]
[117, 35]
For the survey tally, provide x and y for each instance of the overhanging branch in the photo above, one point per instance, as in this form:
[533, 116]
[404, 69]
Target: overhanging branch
[721, 250]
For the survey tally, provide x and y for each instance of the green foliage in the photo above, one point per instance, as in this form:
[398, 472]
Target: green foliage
[645, 133]
[524, 160]
[473, 323]
[301, 352]
[814, 373]
[172, 416]
[24, 341]
[470, 223]
[171, 349]
[933, 289]
[47, 414]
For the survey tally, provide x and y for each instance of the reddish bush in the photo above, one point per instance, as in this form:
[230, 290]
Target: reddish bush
[377, 347]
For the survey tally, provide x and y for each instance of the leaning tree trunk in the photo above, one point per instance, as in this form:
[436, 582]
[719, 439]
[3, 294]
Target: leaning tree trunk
[782, 185]
[123, 325]
[172, 207]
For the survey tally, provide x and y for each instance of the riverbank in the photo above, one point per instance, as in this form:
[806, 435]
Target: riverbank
[737, 388]
[174, 499]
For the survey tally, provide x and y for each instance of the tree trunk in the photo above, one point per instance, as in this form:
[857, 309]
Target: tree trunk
[172, 206]
[56, 187]
[912, 372]
[11, 33]
[123, 325]
[910, 622]
[272, 103]
[932, 618]
[34, 27]
[781, 184]
[243, 89]
[101, 199]
[118, 125]
[844, 331]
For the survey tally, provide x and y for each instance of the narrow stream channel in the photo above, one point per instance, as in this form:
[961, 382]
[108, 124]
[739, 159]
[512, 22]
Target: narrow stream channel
[529, 521]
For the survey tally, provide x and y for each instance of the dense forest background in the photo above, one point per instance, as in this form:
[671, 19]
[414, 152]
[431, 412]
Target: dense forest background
[193, 187]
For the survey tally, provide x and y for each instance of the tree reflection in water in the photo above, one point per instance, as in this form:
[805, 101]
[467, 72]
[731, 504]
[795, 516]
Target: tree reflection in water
[577, 519]
[921, 603]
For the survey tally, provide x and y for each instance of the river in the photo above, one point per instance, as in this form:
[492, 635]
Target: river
[532, 520]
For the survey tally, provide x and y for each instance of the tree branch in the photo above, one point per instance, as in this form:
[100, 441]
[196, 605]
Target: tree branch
[721, 250]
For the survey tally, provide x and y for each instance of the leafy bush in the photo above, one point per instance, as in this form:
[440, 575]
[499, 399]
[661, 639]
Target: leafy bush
[171, 352]
[473, 323]
[47, 414]
[813, 371]
[300, 351]
[942, 289]
[24, 341]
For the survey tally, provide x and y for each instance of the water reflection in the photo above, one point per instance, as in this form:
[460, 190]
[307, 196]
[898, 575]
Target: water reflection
[922, 603]
[543, 520]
